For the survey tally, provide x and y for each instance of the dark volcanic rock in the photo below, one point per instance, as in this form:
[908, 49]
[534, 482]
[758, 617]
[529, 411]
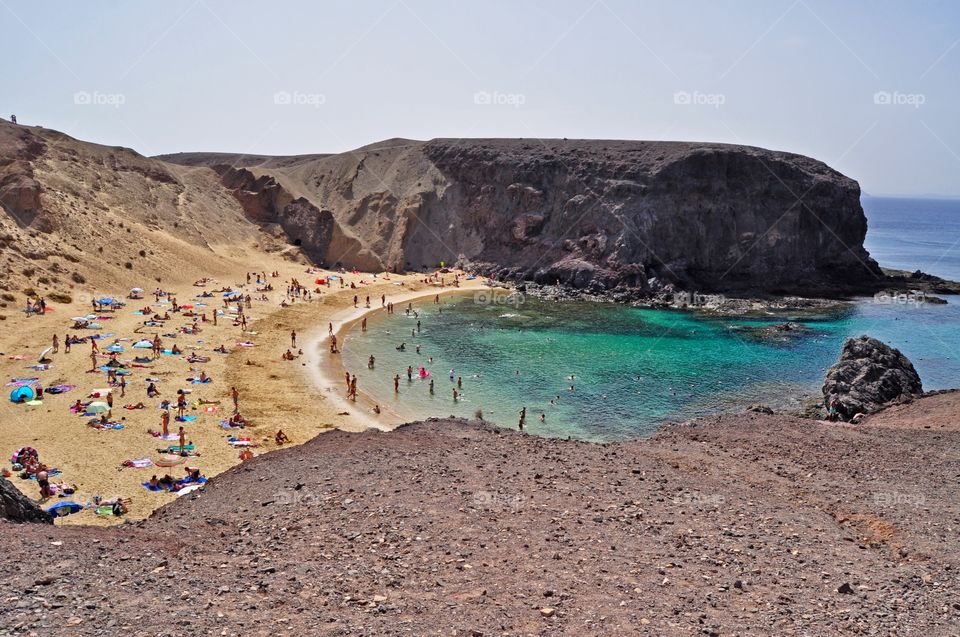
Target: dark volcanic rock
[591, 214]
[16, 507]
[869, 376]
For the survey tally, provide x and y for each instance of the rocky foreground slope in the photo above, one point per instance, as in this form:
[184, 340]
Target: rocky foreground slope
[735, 525]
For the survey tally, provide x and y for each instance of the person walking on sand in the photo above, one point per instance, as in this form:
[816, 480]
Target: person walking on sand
[355, 299]
[347, 377]
[523, 417]
[235, 395]
[353, 388]
[396, 383]
[333, 344]
[383, 300]
[56, 343]
[165, 423]
[363, 325]
[293, 338]
[93, 361]
[330, 329]
[182, 435]
[123, 386]
[66, 344]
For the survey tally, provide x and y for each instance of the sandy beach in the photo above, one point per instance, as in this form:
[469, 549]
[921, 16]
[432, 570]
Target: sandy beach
[304, 397]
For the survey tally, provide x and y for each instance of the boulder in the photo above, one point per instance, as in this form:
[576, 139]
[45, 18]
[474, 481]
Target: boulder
[16, 507]
[869, 376]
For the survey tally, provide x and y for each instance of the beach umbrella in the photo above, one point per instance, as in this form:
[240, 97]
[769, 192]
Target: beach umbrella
[98, 407]
[105, 300]
[144, 344]
[44, 353]
[22, 394]
[61, 509]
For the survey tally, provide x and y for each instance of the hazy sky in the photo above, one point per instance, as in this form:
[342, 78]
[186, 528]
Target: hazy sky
[871, 88]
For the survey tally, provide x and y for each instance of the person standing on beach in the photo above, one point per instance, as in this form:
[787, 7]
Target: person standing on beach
[235, 395]
[56, 343]
[183, 441]
[66, 344]
[333, 343]
[355, 299]
[293, 338]
[383, 300]
[165, 423]
[363, 324]
[353, 388]
[431, 386]
[396, 383]
[523, 417]
[347, 377]
[330, 329]
[93, 361]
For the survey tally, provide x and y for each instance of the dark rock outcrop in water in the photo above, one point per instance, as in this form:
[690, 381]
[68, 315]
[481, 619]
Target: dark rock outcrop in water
[591, 214]
[16, 507]
[869, 376]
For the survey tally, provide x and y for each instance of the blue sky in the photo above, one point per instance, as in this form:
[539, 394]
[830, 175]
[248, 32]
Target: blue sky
[871, 88]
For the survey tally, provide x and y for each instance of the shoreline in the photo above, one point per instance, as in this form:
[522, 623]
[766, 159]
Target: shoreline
[327, 374]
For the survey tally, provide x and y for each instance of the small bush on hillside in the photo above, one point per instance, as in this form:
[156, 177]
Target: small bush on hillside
[60, 297]
[76, 277]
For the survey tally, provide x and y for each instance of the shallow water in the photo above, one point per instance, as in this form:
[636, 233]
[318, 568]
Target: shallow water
[633, 368]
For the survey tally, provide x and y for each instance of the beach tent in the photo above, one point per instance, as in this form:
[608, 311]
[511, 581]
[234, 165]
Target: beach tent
[144, 344]
[22, 394]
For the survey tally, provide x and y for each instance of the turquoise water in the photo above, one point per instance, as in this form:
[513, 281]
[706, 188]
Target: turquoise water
[633, 368]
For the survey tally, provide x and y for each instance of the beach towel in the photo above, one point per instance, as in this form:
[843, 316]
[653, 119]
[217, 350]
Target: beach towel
[210, 409]
[186, 418]
[197, 381]
[60, 389]
[21, 381]
[140, 463]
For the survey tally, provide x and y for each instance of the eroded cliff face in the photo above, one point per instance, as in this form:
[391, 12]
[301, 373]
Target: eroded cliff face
[592, 214]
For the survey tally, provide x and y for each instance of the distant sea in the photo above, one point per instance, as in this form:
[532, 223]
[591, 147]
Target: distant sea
[915, 234]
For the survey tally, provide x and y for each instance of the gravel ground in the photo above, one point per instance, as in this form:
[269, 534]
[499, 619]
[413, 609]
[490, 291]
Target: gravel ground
[736, 525]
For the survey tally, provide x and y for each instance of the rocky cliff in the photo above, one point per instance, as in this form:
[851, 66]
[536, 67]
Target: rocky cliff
[592, 214]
